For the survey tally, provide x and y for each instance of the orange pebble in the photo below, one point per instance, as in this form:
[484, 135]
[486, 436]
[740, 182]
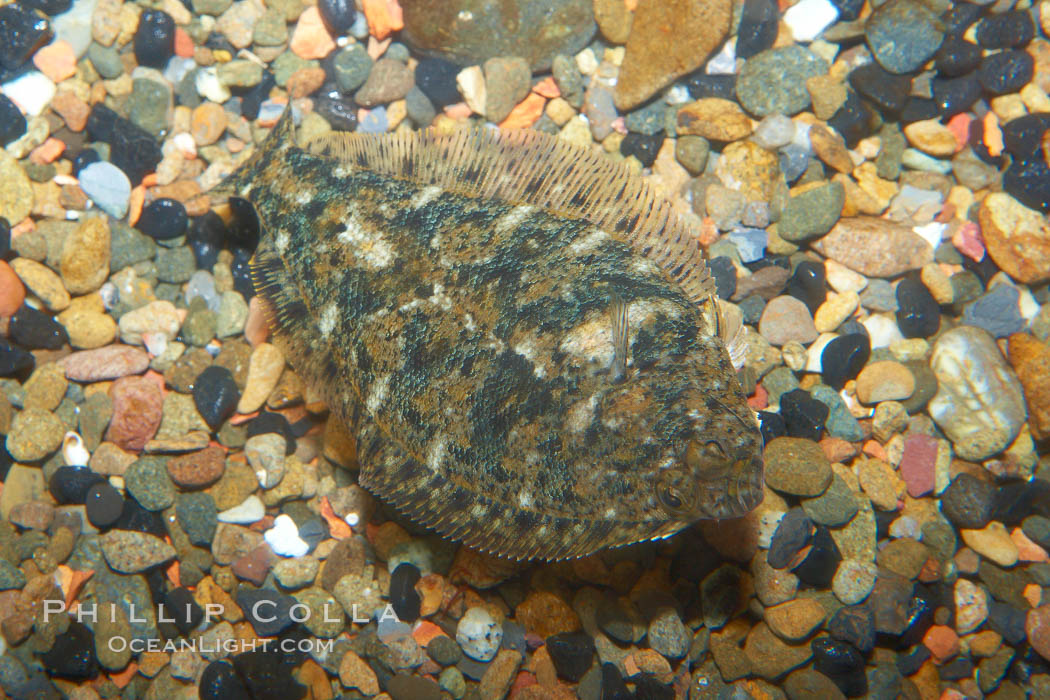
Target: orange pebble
[993, 135]
[48, 151]
[12, 291]
[547, 87]
[384, 17]
[959, 125]
[525, 113]
[311, 39]
[138, 198]
[425, 632]
[57, 60]
[184, 47]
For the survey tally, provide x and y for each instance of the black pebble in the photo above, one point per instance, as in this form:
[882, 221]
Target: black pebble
[919, 618]
[1016, 500]
[270, 604]
[613, 686]
[270, 422]
[968, 502]
[12, 121]
[131, 148]
[822, 559]
[36, 330]
[908, 664]
[854, 624]
[14, 360]
[794, 532]
[206, 237]
[803, 414]
[956, 95]
[724, 272]
[957, 57]
[242, 272]
[1029, 183]
[85, 158]
[216, 395]
[842, 663]
[244, 224]
[50, 7]
[338, 15]
[5, 236]
[1006, 30]
[72, 484]
[340, 112]
[313, 532]
[644, 147]
[647, 687]
[137, 518]
[22, 32]
[885, 90]
[1005, 72]
[958, 668]
[958, 19]
[436, 78]
[155, 39]
[1007, 621]
[773, 426]
[163, 219]
[221, 682]
[849, 10]
[104, 504]
[853, 121]
[73, 653]
[918, 109]
[808, 284]
[268, 674]
[181, 605]
[1023, 136]
[403, 595]
[572, 653]
[701, 85]
[252, 100]
[758, 27]
[918, 314]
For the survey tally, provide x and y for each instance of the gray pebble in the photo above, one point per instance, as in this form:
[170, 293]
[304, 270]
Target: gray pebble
[175, 265]
[902, 35]
[351, 66]
[774, 81]
[997, 311]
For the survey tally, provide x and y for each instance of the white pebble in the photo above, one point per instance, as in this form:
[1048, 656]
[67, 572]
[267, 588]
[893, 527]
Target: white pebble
[814, 351]
[209, 87]
[74, 25]
[723, 62]
[108, 187]
[842, 279]
[73, 451]
[808, 18]
[284, 539]
[32, 92]
[478, 634]
[250, 511]
[882, 329]
[933, 232]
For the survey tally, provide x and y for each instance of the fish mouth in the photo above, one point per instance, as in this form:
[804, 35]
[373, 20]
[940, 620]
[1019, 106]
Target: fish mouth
[736, 495]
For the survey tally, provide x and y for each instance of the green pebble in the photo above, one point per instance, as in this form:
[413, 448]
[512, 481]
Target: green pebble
[148, 482]
[812, 213]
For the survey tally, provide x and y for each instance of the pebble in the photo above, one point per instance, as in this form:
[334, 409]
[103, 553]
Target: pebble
[979, 403]
[797, 467]
[264, 370]
[197, 470]
[130, 551]
[1037, 629]
[774, 81]
[835, 310]
[713, 118]
[41, 281]
[902, 35]
[992, 542]
[154, 38]
[266, 455]
[479, 634]
[971, 606]
[811, 212]
[215, 395]
[163, 219]
[110, 362]
[997, 311]
[854, 581]
[34, 434]
[284, 538]
[787, 319]
[249, 511]
[1008, 227]
[794, 620]
[34, 330]
[1005, 72]
[103, 505]
[137, 410]
[84, 263]
[875, 247]
[884, 381]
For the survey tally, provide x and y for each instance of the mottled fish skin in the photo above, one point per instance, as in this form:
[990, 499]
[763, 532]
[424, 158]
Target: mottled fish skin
[468, 345]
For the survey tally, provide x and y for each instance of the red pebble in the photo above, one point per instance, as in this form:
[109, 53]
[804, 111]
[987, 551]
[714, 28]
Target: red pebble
[918, 463]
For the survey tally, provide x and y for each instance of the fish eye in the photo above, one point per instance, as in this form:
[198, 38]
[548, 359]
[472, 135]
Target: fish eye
[716, 449]
[707, 459]
[671, 499]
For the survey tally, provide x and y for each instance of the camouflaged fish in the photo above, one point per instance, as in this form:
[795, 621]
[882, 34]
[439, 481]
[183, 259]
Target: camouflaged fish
[516, 331]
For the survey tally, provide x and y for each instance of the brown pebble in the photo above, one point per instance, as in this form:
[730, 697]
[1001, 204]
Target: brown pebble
[137, 408]
[198, 469]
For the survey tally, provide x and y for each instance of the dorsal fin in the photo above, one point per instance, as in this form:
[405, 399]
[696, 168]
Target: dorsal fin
[530, 167]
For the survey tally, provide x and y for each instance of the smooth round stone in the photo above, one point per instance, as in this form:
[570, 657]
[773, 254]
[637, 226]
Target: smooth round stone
[572, 653]
[887, 91]
[72, 655]
[1013, 29]
[148, 482]
[1023, 136]
[338, 15]
[774, 81]
[787, 319]
[108, 187]
[997, 311]
[957, 57]
[103, 504]
[809, 284]
[479, 634]
[979, 403]
[902, 35]
[1005, 72]
[803, 415]
[884, 381]
[154, 39]
[968, 502]
[797, 467]
[215, 394]
[758, 27]
[853, 581]
[918, 314]
[1029, 183]
[163, 219]
[641, 146]
[71, 484]
[12, 121]
[956, 95]
[812, 213]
